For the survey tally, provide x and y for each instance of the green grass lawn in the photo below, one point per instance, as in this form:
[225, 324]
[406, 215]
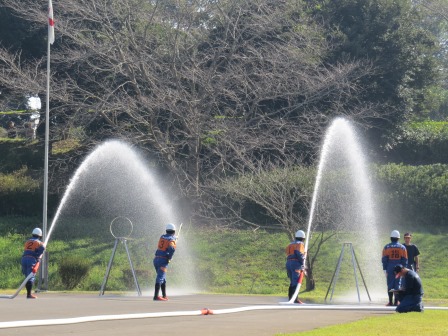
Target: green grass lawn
[232, 262]
[228, 261]
[428, 323]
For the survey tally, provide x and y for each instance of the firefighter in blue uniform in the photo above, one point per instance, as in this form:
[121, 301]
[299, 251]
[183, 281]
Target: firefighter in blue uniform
[295, 259]
[165, 251]
[411, 290]
[394, 254]
[32, 253]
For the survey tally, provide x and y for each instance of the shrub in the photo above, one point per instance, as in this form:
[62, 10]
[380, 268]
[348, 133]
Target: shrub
[142, 275]
[73, 270]
[18, 181]
[420, 143]
[414, 196]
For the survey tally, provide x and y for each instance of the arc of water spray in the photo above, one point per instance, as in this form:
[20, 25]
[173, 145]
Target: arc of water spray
[178, 233]
[322, 161]
[337, 123]
[64, 198]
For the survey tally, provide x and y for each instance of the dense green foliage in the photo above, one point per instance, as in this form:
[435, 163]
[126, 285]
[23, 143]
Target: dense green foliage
[214, 88]
[410, 196]
[19, 193]
[415, 196]
[391, 36]
[73, 270]
[420, 143]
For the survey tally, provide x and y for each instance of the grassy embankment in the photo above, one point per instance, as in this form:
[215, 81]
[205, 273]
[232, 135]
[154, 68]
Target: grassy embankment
[239, 262]
[236, 262]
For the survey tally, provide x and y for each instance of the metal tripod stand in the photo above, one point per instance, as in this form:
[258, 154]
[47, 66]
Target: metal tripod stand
[355, 263]
[106, 276]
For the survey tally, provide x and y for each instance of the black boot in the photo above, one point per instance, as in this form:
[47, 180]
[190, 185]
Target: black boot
[291, 290]
[163, 287]
[156, 291]
[29, 287]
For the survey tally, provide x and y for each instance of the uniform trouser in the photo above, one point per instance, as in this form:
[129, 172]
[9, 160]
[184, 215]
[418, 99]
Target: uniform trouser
[293, 268]
[392, 282]
[27, 268]
[161, 266]
[410, 303]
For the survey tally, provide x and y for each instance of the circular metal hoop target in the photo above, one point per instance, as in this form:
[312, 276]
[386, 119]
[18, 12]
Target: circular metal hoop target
[120, 233]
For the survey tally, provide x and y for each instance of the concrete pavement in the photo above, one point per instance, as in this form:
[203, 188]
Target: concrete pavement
[132, 315]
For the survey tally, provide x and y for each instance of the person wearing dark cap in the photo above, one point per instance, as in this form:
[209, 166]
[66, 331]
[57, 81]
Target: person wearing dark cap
[413, 253]
[394, 253]
[410, 293]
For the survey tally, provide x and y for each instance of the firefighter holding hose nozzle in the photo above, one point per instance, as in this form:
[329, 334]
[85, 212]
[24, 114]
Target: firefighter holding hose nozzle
[164, 253]
[32, 254]
[295, 259]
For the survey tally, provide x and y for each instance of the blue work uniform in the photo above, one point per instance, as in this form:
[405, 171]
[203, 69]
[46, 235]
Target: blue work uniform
[393, 254]
[33, 250]
[165, 251]
[295, 258]
[411, 298]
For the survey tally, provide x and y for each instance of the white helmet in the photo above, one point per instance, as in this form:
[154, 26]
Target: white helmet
[170, 227]
[300, 234]
[395, 234]
[37, 232]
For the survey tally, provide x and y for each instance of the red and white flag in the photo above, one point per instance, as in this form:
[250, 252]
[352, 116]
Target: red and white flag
[50, 23]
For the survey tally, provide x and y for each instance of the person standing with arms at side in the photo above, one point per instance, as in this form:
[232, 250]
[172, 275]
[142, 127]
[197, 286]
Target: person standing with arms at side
[32, 254]
[164, 253]
[295, 258]
[413, 253]
[394, 254]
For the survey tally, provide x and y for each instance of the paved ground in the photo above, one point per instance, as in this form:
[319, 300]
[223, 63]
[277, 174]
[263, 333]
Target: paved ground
[255, 321]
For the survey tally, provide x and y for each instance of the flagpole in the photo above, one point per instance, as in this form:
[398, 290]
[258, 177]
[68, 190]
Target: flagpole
[43, 284]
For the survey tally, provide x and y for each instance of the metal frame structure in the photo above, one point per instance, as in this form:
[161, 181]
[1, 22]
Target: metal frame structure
[109, 266]
[355, 263]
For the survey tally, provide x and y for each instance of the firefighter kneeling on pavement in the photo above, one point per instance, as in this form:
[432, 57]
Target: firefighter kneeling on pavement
[410, 291]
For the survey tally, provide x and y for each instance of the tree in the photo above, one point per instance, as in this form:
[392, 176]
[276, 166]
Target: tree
[391, 36]
[280, 198]
[435, 14]
[205, 88]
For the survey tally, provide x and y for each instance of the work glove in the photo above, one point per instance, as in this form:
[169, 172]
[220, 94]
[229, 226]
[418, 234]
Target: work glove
[36, 267]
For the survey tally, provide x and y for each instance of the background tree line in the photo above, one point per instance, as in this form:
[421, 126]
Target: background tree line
[211, 90]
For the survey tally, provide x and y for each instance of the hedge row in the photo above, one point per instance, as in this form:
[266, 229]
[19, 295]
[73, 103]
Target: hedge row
[414, 196]
[411, 196]
[420, 143]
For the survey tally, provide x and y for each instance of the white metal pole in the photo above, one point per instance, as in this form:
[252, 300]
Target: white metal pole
[43, 284]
